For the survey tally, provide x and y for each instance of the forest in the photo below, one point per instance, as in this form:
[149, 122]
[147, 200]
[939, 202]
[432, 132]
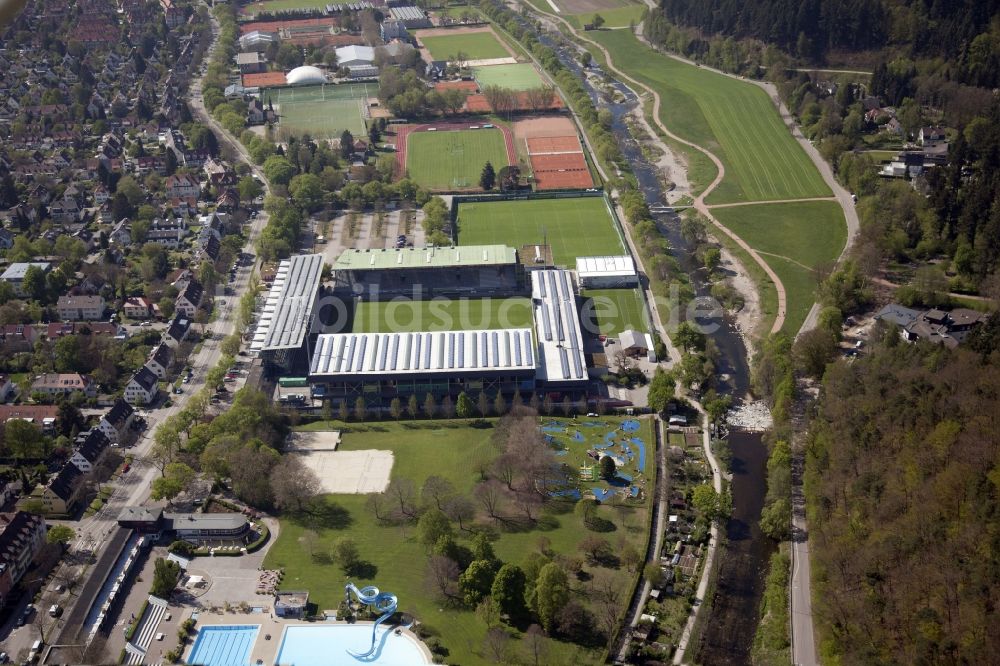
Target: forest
[958, 30]
[903, 474]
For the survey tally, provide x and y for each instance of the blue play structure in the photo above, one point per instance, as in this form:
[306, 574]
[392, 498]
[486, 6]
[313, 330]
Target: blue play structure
[383, 602]
[630, 425]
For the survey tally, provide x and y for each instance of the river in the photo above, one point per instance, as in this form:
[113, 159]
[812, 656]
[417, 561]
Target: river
[735, 607]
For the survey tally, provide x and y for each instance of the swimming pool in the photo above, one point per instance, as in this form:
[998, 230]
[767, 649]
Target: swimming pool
[223, 645]
[327, 645]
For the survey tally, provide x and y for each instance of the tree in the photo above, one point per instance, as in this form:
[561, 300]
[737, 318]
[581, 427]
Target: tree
[460, 509]
[346, 144]
[488, 177]
[430, 406]
[535, 645]
[412, 408]
[631, 558]
[360, 409]
[775, 519]
[307, 191]
[507, 592]
[444, 573]
[707, 502]
[71, 419]
[586, 58]
[436, 491]
[608, 468]
[597, 21]
[278, 170]
[464, 408]
[345, 552]
[482, 548]
[66, 354]
[433, 525]
[476, 581]
[131, 189]
[688, 338]
[176, 478]
[33, 284]
[661, 390]
[294, 485]
[483, 405]
[60, 534]
[595, 548]
[396, 408]
[249, 189]
[551, 594]
[813, 350]
[166, 573]
[499, 405]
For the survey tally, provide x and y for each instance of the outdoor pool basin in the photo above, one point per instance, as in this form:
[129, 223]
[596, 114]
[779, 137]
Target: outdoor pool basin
[328, 645]
[223, 645]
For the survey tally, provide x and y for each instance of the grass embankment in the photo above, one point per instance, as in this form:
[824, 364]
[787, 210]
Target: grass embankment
[795, 239]
[735, 120]
[398, 562]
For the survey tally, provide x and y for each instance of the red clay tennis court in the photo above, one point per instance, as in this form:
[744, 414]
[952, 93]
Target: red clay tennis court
[553, 144]
[559, 171]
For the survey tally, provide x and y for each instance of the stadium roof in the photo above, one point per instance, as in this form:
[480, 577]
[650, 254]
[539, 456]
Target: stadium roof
[557, 322]
[429, 257]
[288, 311]
[304, 74]
[618, 266]
[386, 354]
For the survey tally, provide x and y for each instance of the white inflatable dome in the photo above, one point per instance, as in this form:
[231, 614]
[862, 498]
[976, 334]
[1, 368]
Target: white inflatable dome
[307, 74]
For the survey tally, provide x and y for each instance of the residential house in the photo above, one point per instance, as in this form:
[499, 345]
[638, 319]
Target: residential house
[172, 14]
[393, 29]
[218, 172]
[58, 329]
[930, 135]
[138, 307]
[6, 239]
[101, 194]
[64, 384]
[8, 389]
[17, 338]
[258, 114]
[81, 308]
[116, 422]
[181, 186]
[934, 325]
[61, 495]
[22, 535]
[160, 360]
[168, 233]
[91, 452]
[189, 299]
[436, 69]
[183, 206]
[228, 201]
[211, 247]
[177, 332]
[141, 389]
[43, 416]
[14, 275]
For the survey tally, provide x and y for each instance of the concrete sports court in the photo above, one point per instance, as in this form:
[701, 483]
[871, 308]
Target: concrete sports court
[341, 472]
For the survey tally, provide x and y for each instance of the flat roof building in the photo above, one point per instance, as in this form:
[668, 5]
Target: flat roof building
[490, 270]
[561, 360]
[610, 272]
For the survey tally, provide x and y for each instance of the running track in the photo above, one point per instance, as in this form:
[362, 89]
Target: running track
[404, 131]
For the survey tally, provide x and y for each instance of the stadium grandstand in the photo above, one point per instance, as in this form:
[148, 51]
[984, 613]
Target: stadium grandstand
[484, 270]
[561, 362]
[614, 272]
[287, 317]
[381, 366]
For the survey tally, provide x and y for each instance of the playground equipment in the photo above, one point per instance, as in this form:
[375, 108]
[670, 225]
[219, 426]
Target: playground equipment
[383, 602]
[588, 472]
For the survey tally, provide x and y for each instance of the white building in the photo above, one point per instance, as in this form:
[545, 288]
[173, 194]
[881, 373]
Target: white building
[355, 55]
[609, 272]
[81, 308]
[141, 389]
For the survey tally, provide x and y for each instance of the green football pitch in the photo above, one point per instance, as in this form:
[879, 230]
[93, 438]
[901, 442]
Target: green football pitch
[472, 46]
[611, 311]
[453, 160]
[323, 111]
[440, 314]
[515, 77]
[577, 227]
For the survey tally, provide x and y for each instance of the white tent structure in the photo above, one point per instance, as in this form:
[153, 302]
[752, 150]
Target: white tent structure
[305, 75]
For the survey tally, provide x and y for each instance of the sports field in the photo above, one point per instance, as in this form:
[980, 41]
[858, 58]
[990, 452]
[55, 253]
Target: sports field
[515, 77]
[611, 311]
[439, 314]
[573, 227]
[472, 46]
[794, 239]
[735, 120]
[453, 160]
[323, 111]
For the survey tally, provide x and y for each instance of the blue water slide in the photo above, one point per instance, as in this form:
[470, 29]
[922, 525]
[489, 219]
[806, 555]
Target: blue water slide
[382, 602]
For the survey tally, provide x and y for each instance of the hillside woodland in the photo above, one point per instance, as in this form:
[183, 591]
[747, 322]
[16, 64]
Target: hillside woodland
[903, 476]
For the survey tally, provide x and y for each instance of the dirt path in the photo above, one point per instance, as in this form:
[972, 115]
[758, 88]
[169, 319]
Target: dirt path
[771, 201]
